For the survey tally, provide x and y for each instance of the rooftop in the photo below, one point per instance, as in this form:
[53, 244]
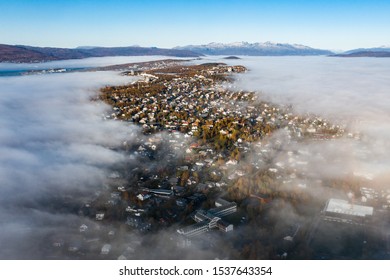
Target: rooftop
[340, 206]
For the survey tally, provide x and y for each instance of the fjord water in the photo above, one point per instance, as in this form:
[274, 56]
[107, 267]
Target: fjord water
[17, 69]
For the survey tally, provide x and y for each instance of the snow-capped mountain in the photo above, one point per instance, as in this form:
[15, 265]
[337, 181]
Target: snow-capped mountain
[245, 48]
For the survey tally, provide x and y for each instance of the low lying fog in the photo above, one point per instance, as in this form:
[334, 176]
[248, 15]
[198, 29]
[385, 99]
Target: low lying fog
[352, 88]
[350, 91]
[52, 141]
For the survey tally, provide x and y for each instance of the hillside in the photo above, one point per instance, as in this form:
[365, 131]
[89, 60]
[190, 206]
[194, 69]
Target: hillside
[19, 54]
[375, 49]
[365, 54]
[382, 51]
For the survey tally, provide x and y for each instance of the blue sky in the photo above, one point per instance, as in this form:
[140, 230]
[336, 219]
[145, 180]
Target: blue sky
[322, 24]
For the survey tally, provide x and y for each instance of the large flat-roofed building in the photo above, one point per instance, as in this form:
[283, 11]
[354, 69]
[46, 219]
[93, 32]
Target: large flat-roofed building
[224, 210]
[195, 229]
[210, 219]
[224, 226]
[340, 210]
[161, 192]
[221, 202]
[202, 215]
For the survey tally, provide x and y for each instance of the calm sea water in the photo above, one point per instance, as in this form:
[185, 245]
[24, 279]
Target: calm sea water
[18, 69]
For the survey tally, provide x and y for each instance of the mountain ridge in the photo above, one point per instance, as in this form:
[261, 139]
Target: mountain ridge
[365, 54]
[28, 54]
[374, 49]
[382, 51]
[245, 48]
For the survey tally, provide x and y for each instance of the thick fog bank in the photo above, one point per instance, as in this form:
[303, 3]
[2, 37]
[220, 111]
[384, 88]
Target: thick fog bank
[53, 143]
[339, 87]
[354, 92]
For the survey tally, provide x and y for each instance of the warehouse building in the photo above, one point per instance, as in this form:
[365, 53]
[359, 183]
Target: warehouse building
[339, 210]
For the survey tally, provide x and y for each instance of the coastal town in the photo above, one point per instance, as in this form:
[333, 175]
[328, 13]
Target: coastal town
[208, 169]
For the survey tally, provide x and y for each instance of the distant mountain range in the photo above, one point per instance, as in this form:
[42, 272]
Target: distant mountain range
[18, 53]
[383, 51]
[376, 49]
[263, 49]
[10, 53]
[365, 54]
